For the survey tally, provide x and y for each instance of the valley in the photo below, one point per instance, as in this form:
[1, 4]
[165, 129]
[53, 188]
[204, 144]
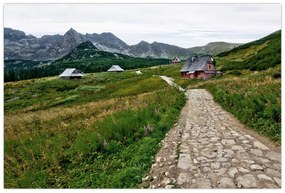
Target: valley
[105, 130]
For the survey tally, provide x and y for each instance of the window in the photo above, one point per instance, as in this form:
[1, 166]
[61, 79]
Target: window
[210, 67]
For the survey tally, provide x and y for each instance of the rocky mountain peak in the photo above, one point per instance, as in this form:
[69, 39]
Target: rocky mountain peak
[13, 35]
[86, 45]
[71, 31]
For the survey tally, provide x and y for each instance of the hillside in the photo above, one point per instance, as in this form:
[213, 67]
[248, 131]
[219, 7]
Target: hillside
[18, 45]
[85, 57]
[257, 55]
[214, 48]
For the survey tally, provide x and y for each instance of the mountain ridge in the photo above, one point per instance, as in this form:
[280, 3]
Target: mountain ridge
[17, 45]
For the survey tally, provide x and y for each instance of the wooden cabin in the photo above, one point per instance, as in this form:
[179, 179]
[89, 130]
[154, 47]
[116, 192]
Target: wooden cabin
[201, 67]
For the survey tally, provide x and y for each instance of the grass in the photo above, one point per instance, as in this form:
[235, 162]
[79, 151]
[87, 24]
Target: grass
[99, 132]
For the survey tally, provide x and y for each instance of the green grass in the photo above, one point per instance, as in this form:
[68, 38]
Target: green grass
[99, 132]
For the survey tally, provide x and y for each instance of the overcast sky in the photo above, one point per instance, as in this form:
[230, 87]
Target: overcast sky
[184, 25]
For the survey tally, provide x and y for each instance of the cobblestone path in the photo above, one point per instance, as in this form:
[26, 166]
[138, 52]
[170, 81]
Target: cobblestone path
[209, 148]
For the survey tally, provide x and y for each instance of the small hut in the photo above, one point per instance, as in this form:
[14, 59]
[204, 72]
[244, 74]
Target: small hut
[71, 73]
[115, 68]
[175, 60]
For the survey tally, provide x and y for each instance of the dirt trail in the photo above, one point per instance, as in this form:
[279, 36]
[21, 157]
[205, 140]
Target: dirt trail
[209, 148]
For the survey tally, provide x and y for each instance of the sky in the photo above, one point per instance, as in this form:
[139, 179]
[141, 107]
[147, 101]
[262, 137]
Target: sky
[184, 25]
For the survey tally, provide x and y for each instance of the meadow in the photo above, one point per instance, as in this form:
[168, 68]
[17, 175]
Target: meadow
[99, 132]
[103, 131]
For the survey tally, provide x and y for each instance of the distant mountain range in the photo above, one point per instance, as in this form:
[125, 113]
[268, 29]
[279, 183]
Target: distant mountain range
[18, 45]
[214, 47]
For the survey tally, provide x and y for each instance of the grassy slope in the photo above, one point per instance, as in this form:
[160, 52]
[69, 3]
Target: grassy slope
[257, 55]
[99, 132]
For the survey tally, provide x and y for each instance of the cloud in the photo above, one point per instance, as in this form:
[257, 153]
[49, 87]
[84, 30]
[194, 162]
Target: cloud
[184, 25]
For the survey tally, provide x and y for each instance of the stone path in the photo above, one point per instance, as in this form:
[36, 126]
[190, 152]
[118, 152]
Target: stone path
[209, 148]
[169, 80]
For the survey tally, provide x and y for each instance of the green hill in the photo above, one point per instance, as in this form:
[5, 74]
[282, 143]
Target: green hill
[214, 48]
[88, 58]
[261, 54]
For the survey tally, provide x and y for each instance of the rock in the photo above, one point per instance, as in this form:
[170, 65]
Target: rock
[278, 181]
[158, 159]
[257, 152]
[166, 174]
[214, 139]
[182, 178]
[238, 148]
[269, 185]
[264, 177]
[226, 183]
[203, 183]
[245, 141]
[206, 170]
[201, 158]
[248, 136]
[166, 181]
[273, 156]
[228, 142]
[232, 172]
[235, 161]
[229, 151]
[184, 161]
[169, 186]
[195, 161]
[260, 145]
[220, 172]
[154, 165]
[222, 159]
[226, 165]
[209, 154]
[272, 172]
[246, 181]
[256, 167]
[146, 178]
[262, 160]
[160, 165]
[242, 170]
[215, 165]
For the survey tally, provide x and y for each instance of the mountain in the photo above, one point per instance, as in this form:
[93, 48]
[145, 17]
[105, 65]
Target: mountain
[214, 47]
[107, 42]
[160, 50]
[86, 57]
[257, 55]
[18, 45]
